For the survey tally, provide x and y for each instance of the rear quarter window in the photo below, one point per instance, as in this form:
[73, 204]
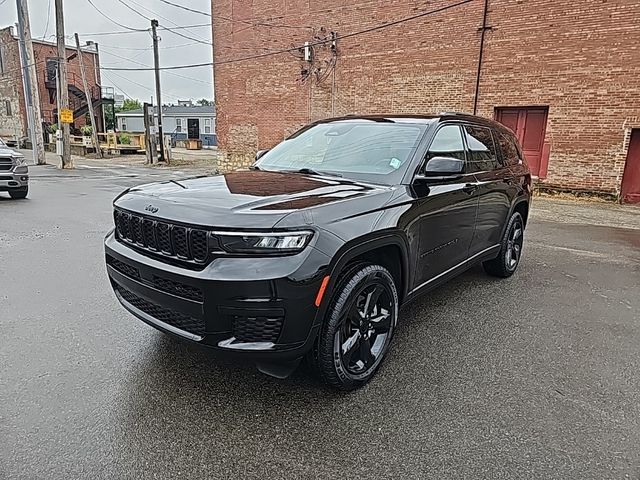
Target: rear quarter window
[510, 151]
[482, 149]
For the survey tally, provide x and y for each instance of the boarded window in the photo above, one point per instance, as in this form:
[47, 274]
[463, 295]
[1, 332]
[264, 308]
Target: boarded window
[7, 107]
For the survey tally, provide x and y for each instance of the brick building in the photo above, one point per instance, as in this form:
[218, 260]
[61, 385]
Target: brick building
[565, 75]
[13, 116]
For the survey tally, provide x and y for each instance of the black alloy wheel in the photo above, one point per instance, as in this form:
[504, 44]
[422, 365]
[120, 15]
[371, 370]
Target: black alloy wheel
[507, 261]
[365, 328]
[358, 327]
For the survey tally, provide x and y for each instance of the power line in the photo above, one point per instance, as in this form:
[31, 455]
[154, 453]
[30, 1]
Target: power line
[167, 47]
[204, 42]
[246, 22]
[118, 87]
[310, 44]
[144, 86]
[113, 21]
[134, 10]
[185, 8]
[46, 27]
[132, 60]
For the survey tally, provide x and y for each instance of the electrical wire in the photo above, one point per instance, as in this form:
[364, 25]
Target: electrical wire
[46, 27]
[132, 60]
[113, 21]
[134, 10]
[310, 44]
[185, 8]
[145, 87]
[118, 87]
[166, 47]
[196, 39]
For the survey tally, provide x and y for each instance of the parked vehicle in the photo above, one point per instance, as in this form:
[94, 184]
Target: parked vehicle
[312, 251]
[14, 173]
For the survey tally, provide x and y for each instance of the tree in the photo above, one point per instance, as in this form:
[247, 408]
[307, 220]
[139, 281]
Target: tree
[204, 102]
[129, 104]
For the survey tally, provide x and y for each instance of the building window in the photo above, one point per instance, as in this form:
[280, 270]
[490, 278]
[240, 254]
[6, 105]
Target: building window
[7, 107]
[207, 125]
[178, 125]
[124, 124]
[1, 60]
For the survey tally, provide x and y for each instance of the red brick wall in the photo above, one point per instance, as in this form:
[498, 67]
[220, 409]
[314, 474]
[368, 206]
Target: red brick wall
[581, 59]
[11, 82]
[43, 51]
[11, 89]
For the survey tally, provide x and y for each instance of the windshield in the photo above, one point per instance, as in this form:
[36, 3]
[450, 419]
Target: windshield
[376, 152]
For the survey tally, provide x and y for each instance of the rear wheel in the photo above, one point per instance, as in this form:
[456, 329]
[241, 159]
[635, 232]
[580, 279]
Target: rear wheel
[507, 261]
[358, 327]
[19, 193]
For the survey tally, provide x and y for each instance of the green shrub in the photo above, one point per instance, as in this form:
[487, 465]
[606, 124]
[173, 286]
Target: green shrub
[124, 139]
[86, 130]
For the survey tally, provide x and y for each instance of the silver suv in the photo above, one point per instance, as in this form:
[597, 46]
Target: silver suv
[14, 173]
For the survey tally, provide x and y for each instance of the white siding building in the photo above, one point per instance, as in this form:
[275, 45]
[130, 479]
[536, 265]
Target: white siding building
[181, 122]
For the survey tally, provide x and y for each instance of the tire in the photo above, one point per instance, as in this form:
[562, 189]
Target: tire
[358, 327]
[19, 193]
[507, 261]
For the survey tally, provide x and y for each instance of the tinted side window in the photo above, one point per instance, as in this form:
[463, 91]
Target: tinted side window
[447, 143]
[481, 148]
[510, 152]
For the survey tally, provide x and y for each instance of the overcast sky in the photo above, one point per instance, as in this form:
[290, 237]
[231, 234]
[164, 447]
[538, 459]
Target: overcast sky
[82, 17]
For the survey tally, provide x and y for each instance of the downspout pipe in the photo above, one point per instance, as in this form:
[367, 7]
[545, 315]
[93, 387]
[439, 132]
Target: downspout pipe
[483, 31]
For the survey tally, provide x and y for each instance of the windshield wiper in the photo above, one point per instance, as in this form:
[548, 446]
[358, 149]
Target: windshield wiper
[177, 183]
[254, 167]
[310, 171]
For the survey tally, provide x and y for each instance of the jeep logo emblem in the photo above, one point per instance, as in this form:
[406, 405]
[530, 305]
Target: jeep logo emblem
[151, 208]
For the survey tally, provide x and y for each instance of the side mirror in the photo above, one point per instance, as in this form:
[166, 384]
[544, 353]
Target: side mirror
[444, 167]
[260, 153]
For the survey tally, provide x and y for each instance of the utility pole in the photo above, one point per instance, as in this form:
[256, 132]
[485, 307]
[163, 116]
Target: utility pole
[156, 64]
[63, 86]
[150, 142]
[30, 83]
[85, 85]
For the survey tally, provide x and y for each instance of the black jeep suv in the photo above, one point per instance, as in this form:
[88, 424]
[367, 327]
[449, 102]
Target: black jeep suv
[312, 251]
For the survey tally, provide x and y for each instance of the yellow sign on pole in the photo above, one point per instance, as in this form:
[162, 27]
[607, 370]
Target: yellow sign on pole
[66, 115]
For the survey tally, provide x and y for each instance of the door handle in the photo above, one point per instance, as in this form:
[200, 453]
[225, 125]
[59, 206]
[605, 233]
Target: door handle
[470, 188]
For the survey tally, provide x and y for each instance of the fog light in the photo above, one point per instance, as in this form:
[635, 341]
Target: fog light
[24, 179]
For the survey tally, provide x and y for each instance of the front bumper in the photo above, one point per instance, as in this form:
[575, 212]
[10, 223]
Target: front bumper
[17, 177]
[261, 308]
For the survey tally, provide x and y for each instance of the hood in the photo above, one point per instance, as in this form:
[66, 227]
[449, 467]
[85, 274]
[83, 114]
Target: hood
[247, 199]
[8, 152]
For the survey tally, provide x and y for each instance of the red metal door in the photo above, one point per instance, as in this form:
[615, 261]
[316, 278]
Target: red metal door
[631, 178]
[529, 124]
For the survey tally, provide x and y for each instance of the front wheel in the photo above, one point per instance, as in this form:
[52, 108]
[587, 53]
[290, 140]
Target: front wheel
[358, 327]
[505, 264]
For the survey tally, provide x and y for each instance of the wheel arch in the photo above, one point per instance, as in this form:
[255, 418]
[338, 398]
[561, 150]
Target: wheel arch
[389, 250]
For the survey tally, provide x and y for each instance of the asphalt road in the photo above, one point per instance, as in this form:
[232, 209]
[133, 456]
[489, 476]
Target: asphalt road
[537, 376]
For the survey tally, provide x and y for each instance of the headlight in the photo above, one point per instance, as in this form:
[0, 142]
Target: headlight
[256, 242]
[20, 160]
